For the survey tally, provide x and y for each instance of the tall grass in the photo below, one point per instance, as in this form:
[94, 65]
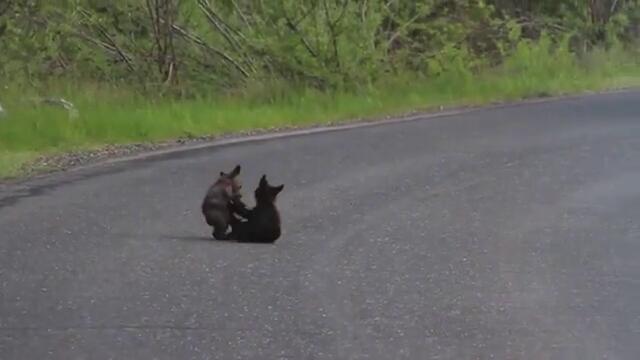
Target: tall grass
[118, 115]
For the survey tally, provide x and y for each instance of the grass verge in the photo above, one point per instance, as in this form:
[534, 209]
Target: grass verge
[110, 115]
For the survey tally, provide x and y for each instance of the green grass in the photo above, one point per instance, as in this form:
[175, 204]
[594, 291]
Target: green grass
[12, 161]
[110, 115]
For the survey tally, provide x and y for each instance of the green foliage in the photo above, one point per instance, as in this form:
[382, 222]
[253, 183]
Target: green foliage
[199, 47]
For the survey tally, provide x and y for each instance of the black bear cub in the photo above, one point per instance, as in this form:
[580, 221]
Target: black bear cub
[263, 221]
[218, 204]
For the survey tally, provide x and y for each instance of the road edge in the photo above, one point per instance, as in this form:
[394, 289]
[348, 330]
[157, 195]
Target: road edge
[274, 134]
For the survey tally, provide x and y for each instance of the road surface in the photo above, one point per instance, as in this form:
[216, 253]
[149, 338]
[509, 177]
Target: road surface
[505, 233]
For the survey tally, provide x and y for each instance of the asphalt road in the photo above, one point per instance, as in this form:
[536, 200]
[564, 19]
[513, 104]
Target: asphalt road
[507, 233]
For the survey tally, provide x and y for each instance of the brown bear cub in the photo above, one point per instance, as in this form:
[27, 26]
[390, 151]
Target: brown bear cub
[218, 204]
[262, 223]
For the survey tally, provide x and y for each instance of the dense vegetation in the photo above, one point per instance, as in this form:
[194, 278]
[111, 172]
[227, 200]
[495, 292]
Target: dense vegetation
[195, 46]
[151, 69]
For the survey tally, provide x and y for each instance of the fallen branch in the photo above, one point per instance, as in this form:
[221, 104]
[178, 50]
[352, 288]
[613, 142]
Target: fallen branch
[71, 109]
[198, 41]
[126, 58]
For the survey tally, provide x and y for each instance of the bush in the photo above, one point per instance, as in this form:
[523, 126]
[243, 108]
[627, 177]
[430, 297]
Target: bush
[202, 47]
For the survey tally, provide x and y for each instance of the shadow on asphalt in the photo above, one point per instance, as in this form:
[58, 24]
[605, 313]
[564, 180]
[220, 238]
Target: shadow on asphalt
[196, 238]
[186, 238]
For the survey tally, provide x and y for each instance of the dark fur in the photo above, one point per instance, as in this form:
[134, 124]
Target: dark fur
[262, 223]
[218, 203]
